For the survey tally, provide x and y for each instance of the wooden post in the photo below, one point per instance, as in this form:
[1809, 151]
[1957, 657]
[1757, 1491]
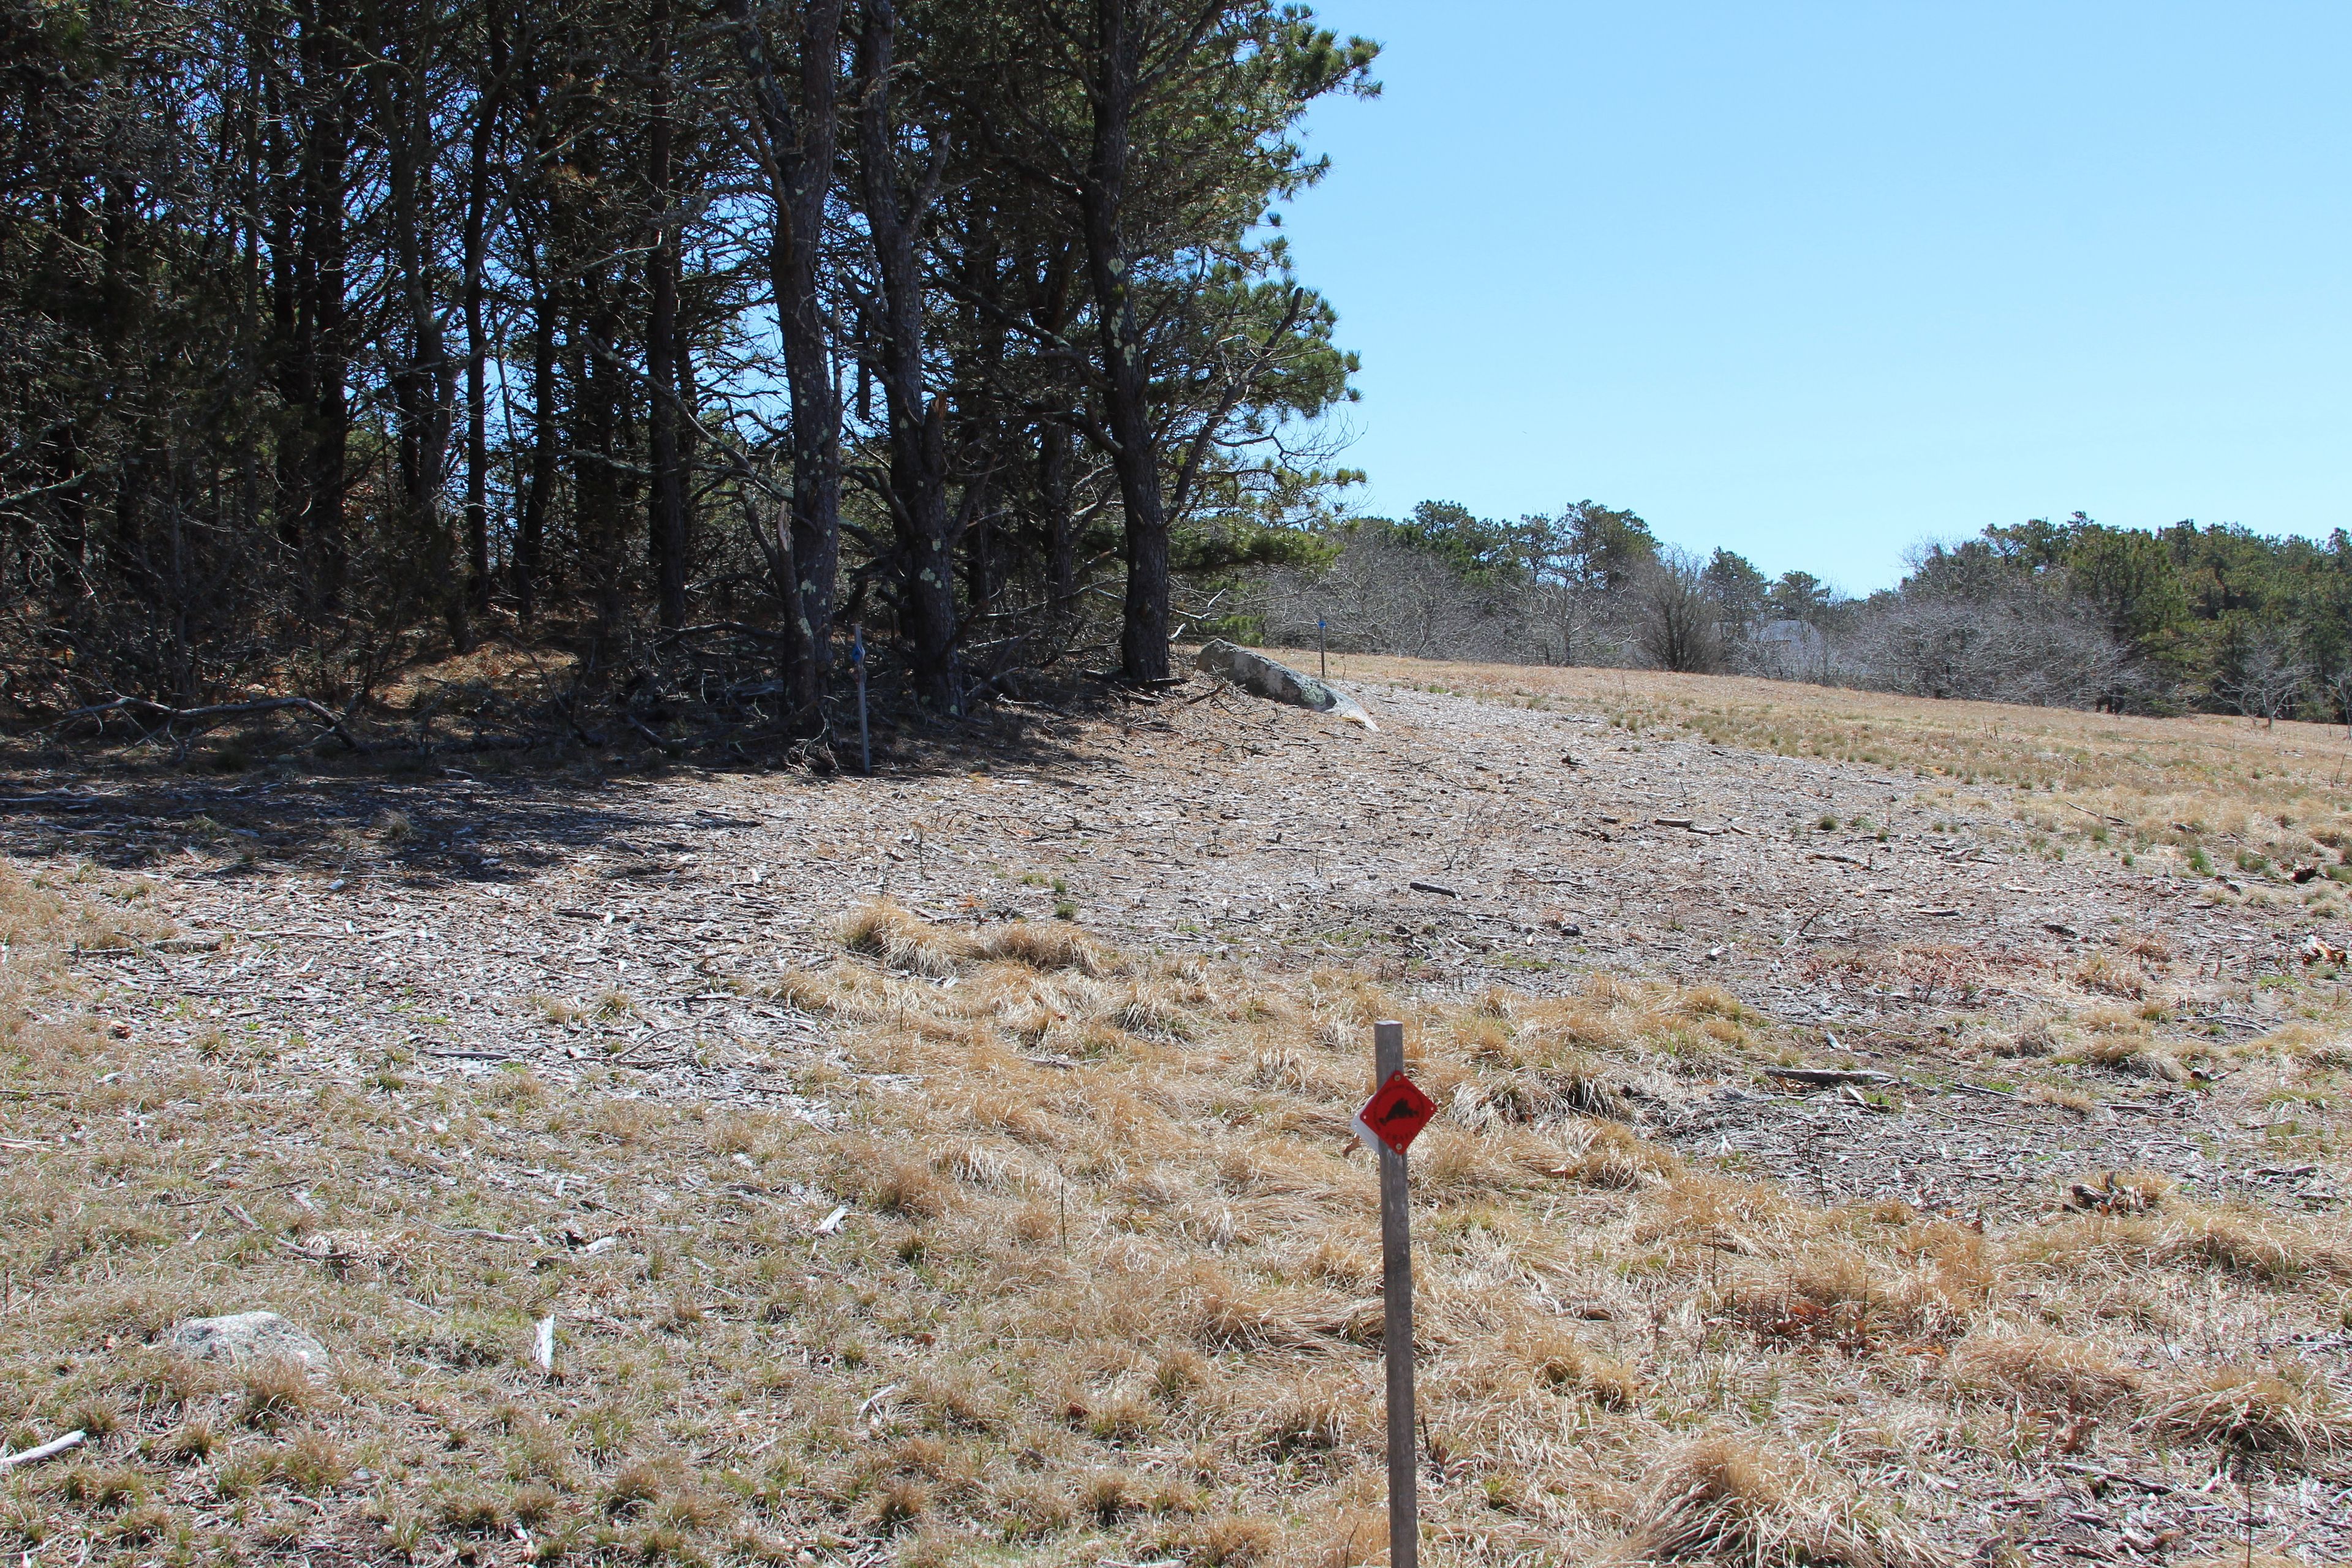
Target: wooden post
[857, 662]
[1396, 1299]
[1323, 665]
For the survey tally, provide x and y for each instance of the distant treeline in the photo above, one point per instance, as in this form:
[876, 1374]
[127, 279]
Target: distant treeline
[2073, 614]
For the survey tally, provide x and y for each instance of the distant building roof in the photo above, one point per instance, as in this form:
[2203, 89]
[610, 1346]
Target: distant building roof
[1802, 632]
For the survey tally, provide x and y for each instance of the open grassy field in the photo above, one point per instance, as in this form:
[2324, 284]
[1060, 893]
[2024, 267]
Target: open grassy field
[955, 1165]
[2280, 791]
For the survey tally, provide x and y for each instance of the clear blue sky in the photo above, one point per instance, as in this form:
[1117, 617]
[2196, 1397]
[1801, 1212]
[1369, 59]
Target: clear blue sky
[1815, 281]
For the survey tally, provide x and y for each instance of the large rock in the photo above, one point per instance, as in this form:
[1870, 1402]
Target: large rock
[243, 1337]
[1280, 682]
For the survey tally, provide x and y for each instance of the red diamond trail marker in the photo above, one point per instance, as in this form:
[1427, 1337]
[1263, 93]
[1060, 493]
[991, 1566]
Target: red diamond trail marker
[1395, 1115]
[1388, 1120]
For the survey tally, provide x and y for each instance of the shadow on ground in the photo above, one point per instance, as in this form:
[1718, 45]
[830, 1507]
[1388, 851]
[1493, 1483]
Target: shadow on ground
[431, 819]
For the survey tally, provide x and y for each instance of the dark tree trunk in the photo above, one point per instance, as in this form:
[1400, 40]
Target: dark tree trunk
[290, 357]
[918, 461]
[323, 341]
[546, 443]
[1059, 528]
[477, 445]
[799, 147]
[595, 482]
[982, 422]
[982, 576]
[1127, 412]
[119, 293]
[667, 544]
[1050, 313]
[546, 427]
[681, 358]
[72, 496]
[425, 388]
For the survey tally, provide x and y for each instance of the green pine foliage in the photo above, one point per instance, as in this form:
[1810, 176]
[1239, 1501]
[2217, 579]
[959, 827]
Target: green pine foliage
[2215, 618]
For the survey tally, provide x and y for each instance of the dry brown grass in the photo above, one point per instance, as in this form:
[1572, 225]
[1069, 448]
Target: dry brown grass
[886, 931]
[1106, 1290]
[2251, 1411]
[2131, 1055]
[1836, 1296]
[1608, 1154]
[2043, 1371]
[1043, 944]
[2259, 1247]
[2178, 782]
[1559, 1360]
[895, 935]
[1726, 1499]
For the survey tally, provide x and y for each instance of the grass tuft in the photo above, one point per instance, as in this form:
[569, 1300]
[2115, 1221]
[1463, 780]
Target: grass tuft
[2042, 1371]
[274, 1391]
[1608, 1154]
[884, 929]
[2249, 1411]
[1725, 1500]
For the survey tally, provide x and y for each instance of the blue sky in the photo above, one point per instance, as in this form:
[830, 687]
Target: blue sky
[1817, 282]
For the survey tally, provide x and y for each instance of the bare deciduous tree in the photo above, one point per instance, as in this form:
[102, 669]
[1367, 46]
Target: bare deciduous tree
[2340, 687]
[1677, 621]
[2017, 646]
[2268, 677]
[1380, 596]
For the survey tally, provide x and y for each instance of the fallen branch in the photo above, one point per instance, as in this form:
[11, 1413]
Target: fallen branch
[161, 944]
[2115, 1478]
[71, 802]
[48, 1450]
[1832, 1077]
[220, 711]
[667, 748]
[1220, 688]
[1808, 925]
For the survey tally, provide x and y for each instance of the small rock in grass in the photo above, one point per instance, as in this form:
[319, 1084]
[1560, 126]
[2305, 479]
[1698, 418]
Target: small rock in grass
[243, 1337]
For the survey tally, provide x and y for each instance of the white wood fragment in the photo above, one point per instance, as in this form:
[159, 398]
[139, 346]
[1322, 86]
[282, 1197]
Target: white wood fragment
[48, 1450]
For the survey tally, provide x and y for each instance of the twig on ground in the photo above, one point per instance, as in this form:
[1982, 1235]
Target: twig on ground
[48, 1450]
[220, 712]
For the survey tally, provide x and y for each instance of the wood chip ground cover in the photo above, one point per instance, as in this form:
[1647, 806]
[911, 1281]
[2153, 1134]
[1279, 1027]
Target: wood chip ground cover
[420, 1059]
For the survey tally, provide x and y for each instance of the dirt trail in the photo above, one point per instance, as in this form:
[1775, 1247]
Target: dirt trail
[478, 919]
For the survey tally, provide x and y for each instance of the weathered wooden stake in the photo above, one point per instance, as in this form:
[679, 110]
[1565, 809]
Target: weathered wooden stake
[1322, 661]
[1396, 1297]
[857, 662]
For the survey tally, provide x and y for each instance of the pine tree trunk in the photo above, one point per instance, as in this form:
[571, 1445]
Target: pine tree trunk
[1135, 450]
[478, 453]
[800, 141]
[667, 547]
[918, 461]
